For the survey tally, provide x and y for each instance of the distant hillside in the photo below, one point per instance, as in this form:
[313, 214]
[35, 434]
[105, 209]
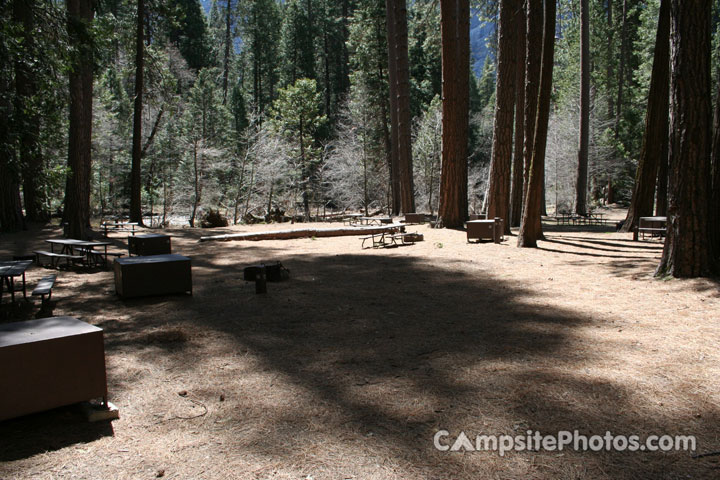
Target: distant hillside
[479, 33]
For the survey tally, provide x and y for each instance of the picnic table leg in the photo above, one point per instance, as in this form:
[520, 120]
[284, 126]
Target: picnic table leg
[24, 289]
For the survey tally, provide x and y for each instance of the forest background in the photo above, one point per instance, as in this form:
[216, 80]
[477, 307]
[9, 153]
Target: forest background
[265, 109]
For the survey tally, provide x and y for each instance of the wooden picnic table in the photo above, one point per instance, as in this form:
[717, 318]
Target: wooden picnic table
[8, 271]
[85, 248]
[375, 220]
[591, 218]
[119, 227]
[352, 218]
[389, 237]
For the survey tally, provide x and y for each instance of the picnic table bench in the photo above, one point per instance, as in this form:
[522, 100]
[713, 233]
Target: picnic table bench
[44, 287]
[653, 226]
[56, 257]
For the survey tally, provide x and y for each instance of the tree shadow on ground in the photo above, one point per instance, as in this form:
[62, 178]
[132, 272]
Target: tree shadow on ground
[47, 431]
[380, 350]
[394, 349]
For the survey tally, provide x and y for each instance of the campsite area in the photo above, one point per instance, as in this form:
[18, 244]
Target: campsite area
[348, 369]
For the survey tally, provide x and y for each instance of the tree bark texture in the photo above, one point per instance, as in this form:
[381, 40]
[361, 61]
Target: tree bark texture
[392, 89]
[402, 78]
[518, 167]
[136, 165]
[533, 51]
[455, 34]
[687, 245]
[11, 218]
[531, 226]
[610, 49]
[77, 191]
[715, 186]
[226, 53]
[29, 152]
[621, 68]
[584, 140]
[502, 144]
[656, 126]
[662, 178]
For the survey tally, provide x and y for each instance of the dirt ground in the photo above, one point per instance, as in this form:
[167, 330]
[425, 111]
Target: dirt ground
[348, 370]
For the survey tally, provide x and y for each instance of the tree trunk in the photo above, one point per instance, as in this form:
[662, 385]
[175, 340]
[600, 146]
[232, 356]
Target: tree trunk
[531, 226]
[326, 66]
[135, 170]
[392, 89]
[610, 52]
[715, 186]
[226, 56]
[516, 190]
[532, 82]
[455, 33]
[29, 153]
[305, 173]
[584, 141]
[661, 200]
[394, 187]
[405, 166]
[621, 69]
[196, 184]
[502, 143]
[77, 191]
[303, 233]
[687, 245]
[11, 217]
[656, 126]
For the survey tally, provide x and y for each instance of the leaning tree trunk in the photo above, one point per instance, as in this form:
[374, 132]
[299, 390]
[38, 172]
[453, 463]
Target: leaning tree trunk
[455, 33]
[516, 190]
[531, 226]
[584, 140]
[77, 191]
[392, 89]
[687, 245]
[402, 77]
[135, 172]
[502, 143]
[656, 126]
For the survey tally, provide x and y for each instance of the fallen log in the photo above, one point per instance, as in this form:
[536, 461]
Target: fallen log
[307, 233]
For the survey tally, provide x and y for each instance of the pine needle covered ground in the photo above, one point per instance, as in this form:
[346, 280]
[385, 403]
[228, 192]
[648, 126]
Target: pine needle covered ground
[348, 370]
